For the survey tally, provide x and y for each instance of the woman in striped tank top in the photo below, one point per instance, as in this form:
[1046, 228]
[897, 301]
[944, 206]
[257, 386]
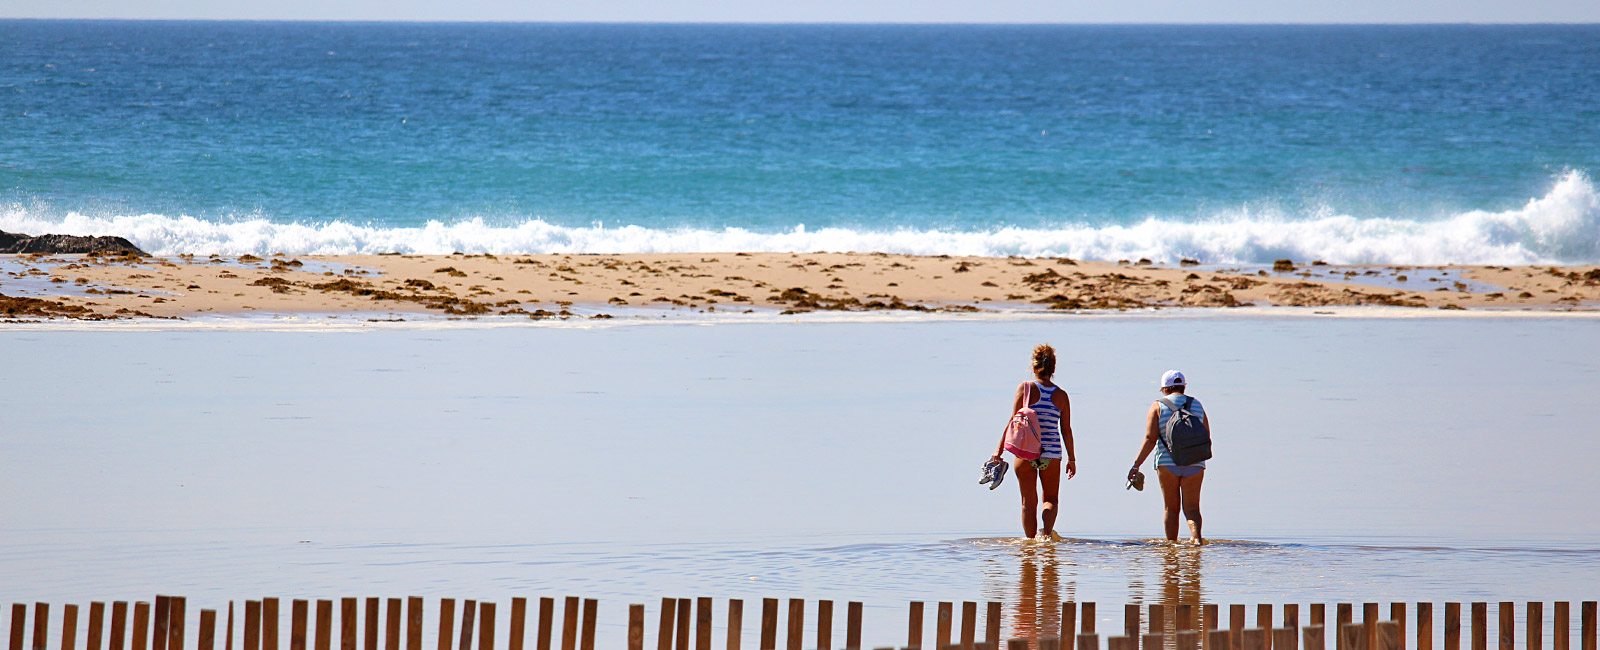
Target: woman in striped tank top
[1055, 424]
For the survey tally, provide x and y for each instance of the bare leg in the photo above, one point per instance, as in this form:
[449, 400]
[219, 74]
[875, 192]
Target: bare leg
[1190, 486]
[1171, 499]
[1050, 481]
[1026, 476]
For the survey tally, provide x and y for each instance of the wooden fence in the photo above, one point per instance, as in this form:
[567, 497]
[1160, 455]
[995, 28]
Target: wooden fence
[367, 624]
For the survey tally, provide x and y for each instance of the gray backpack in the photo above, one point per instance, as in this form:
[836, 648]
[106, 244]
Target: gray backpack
[1186, 434]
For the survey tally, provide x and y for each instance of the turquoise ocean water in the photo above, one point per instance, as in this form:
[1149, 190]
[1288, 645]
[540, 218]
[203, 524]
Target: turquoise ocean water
[1404, 144]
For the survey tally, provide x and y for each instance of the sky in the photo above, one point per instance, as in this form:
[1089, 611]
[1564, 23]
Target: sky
[898, 11]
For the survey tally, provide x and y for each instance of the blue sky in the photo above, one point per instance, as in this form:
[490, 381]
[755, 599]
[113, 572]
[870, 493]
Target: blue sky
[1022, 11]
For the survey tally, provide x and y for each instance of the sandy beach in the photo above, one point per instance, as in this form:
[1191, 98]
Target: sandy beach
[92, 287]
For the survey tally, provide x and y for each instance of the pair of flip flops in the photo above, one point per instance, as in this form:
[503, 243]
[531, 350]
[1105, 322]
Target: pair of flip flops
[1137, 482]
[994, 472]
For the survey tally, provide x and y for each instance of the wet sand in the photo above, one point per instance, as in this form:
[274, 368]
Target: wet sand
[92, 287]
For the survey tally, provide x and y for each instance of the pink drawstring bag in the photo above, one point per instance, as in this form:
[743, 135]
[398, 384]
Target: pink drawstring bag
[1022, 432]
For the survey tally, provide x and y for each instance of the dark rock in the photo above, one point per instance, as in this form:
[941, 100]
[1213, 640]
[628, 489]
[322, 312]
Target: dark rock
[64, 244]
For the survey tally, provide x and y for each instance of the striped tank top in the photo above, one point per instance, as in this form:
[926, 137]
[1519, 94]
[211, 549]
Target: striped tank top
[1049, 422]
[1163, 456]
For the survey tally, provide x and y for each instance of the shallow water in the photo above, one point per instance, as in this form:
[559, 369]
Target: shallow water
[1361, 460]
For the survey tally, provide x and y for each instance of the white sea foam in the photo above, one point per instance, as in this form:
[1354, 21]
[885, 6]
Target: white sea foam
[1563, 226]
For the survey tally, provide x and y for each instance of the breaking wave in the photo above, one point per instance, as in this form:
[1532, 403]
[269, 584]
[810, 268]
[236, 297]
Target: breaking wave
[1563, 226]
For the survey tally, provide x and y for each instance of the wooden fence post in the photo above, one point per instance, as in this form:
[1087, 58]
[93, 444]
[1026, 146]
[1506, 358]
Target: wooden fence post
[1069, 625]
[1312, 637]
[393, 616]
[228, 645]
[685, 620]
[1535, 626]
[797, 623]
[547, 622]
[591, 612]
[486, 626]
[941, 626]
[1255, 638]
[1561, 627]
[824, 625]
[96, 625]
[175, 623]
[413, 623]
[736, 624]
[669, 608]
[1087, 640]
[1480, 626]
[469, 623]
[1152, 640]
[349, 623]
[852, 625]
[1130, 624]
[1452, 626]
[1286, 638]
[447, 624]
[1389, 635]
[208, 630]
[1188, 640]
[1291, 619]
[69, 627]
[119, 623]
[1264, 621]
[769, 624]
[158, 623]
[1218, 639]
[141, 626]
[517, 635]
[41, 625]
[324, 627]
[298, 609]
[1349, 636]
[1586, 638]
[635, 625]
[269, 624]
[252, 625]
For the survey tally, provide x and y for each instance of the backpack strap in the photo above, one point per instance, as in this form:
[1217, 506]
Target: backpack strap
[1169, 404]
[1027, 394]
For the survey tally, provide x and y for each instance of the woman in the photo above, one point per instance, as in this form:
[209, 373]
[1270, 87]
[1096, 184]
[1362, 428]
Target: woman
[1055, 424]
[1180, 484]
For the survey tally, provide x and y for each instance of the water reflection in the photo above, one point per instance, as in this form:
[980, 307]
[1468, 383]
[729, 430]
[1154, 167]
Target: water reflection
[1034, 578]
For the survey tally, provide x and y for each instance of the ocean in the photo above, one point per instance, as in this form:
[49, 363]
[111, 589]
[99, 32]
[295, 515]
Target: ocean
[1357, 460]
[1227, 144]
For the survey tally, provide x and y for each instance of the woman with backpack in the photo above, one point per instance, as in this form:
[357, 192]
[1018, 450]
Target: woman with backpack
[1054, 415]
[1183, 420]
